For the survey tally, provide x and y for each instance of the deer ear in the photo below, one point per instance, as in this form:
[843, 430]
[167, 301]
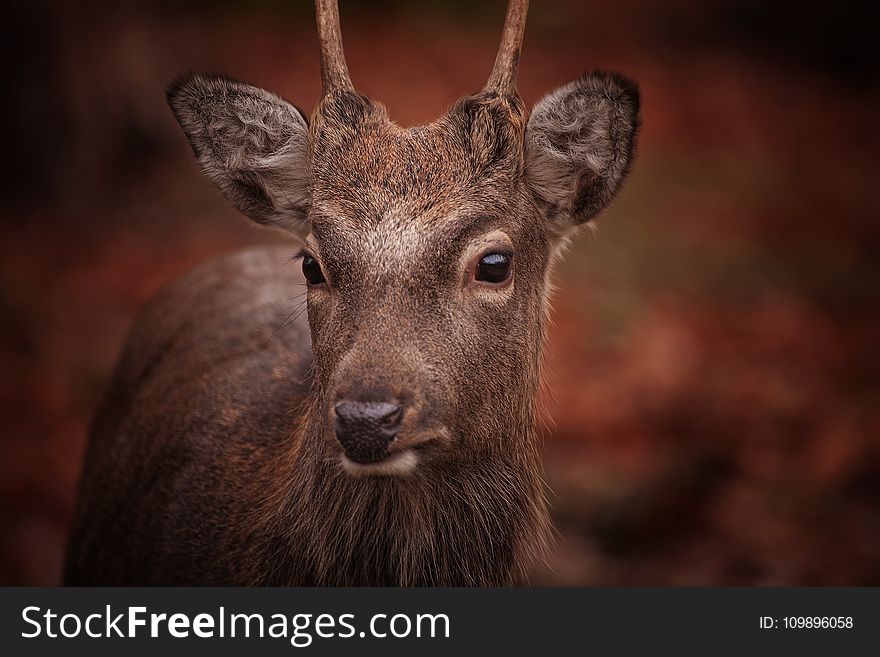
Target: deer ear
[252, 144]
[579, 144]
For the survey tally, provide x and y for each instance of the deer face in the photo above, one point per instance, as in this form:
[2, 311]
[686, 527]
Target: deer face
[426, 251]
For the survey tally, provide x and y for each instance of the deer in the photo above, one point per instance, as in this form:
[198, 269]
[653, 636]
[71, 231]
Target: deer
[388, 435]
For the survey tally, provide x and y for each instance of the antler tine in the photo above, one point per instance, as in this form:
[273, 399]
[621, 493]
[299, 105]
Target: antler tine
[503, 78]
[334, 70]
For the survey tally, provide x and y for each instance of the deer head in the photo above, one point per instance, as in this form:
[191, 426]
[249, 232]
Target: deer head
[426, 250]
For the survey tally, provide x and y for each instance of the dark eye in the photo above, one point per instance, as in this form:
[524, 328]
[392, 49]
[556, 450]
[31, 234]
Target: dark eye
[312, 270]
[494, 267]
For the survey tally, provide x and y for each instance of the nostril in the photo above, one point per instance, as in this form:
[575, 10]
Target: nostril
[391, 420]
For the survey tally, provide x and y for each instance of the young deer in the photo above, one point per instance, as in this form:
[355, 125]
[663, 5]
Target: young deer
[389, 440]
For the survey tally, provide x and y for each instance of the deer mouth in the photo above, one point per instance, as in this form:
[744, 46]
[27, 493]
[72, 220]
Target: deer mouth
[397, 464]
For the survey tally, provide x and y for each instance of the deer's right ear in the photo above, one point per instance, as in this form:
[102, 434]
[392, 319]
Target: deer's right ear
[252, 144]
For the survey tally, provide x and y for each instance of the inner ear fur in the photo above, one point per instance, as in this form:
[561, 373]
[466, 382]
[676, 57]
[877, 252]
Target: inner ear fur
[252, 144]
[580, 143]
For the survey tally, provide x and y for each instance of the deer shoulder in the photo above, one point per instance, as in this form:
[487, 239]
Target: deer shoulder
[202, 398]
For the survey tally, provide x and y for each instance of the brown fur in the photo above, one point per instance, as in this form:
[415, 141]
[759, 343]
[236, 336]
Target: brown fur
[213, 460]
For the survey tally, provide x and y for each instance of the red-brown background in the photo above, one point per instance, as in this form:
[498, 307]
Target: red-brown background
[713, 370]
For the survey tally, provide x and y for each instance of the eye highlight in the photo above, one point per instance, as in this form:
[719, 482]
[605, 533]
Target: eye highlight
[312, 270]
[494, 267]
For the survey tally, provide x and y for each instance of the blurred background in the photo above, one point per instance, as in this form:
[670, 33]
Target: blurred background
[713, 369]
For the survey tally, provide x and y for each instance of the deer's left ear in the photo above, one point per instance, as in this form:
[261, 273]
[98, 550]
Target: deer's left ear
[252, 144]
[579, 144]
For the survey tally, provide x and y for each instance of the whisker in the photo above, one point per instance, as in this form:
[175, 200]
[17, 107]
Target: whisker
[294, 315]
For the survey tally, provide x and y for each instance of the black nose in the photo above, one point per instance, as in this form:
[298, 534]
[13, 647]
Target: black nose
[365, 429]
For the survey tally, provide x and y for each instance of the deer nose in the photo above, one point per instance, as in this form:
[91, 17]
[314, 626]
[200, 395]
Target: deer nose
[366, 429]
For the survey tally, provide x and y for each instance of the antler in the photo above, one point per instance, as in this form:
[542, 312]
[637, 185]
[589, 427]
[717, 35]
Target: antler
[334, 71]
[503, 78]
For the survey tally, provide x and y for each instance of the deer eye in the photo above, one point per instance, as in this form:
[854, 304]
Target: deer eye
[494, 267]
[312, 270]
